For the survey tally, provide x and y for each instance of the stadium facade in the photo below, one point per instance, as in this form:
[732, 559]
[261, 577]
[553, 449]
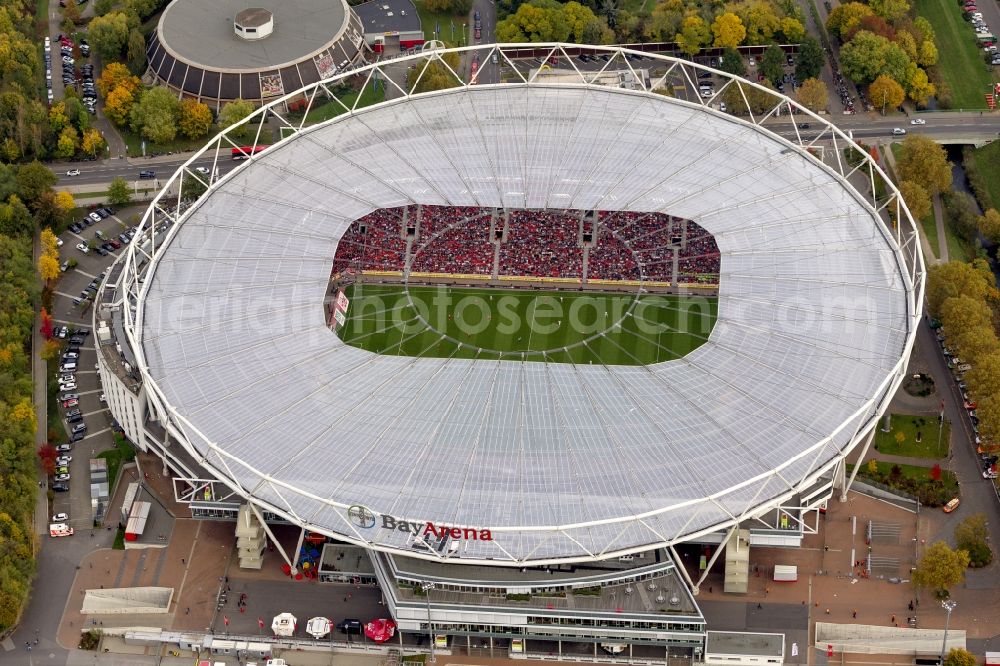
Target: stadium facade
[536, 507]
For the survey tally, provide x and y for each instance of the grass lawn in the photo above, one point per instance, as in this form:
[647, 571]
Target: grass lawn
[919, 474]
[180, 144]
[332, 108]
[987, 160]
[122, 453]
[909, 426]
[443, 322]
[429, 20]
[960, 59]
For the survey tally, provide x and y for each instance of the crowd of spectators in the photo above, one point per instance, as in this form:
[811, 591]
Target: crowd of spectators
[462, 240]
[542, 244]
[453, 240]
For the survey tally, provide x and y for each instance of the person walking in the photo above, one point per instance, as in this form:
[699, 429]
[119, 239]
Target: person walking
[854, 614]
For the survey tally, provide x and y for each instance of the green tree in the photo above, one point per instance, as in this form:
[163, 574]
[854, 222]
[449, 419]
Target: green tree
[108, 34]
[117, 75]
[772, 64]
[812, 94]
[916, 198]
[534, 23]
[119, 193]
[960, 657]
[924, 162]
[733, 63]
[155, 115]
[135, 51]
[972, 535]
[194, 119]
[577, 17]
[728, 30]
[885, 93]
[941, 568]
[436, 76]
[927, 54]
[232, 113]
[868, 55]
[102, 7]
[92, 142]
[890, 10]
[33, 180]
[694, 34]
[809, 60]
[15, 218]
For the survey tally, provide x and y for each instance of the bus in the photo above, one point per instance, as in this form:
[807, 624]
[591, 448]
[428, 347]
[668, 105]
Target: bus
[245, 152]
[60, 530]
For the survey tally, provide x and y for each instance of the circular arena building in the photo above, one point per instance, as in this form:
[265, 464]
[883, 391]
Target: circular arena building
[219, 51]
[225, 351]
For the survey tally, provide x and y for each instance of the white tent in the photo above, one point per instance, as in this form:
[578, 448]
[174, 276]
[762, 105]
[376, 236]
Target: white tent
[284, 625]
[318, 627]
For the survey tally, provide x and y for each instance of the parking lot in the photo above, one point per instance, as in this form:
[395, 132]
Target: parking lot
[71, 311]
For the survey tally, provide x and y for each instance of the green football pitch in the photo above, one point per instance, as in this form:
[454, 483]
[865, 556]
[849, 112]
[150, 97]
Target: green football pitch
[552, 326]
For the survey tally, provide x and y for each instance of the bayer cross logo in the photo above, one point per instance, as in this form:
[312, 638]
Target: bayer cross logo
[361, 516]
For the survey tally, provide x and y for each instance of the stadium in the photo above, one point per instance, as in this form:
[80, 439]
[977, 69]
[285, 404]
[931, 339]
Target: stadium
[707, 310]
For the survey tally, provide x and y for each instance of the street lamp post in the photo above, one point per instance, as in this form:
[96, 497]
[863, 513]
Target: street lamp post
[949, 606]
[427, 587]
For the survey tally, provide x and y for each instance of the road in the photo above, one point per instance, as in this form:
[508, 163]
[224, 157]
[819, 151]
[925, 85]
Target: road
[940, 126]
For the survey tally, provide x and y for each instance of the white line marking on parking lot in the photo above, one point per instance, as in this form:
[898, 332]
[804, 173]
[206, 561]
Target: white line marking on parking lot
[86, 274]
[99, 432]
[64, 294]
[96, 411]
[91, 392]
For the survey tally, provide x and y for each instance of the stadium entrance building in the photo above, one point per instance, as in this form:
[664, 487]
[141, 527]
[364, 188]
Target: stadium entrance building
[531, 500]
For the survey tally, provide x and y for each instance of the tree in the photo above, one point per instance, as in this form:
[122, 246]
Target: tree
[92, 142]
[845, 18]
[533, 23]
[135, 51]
[116, 75]
[733, 63]
[885, 93]
[919, 88]
[916, 198]
[118, 105]
[927, 54]
[49, 243]
[728, 30]
[69, 141]
[57, 117]
[972, 535]
[48, 268]
[155, 115]
[436, 76]
[64, 201]
[694, 34]
[577, 17]
[71, 12]
[890, 10]
[812, 94]
[941, 568]
[960, 657]
[772, 64]
[924, 162]
[108, 34]
[759, 19]
[868, 55]
[33, 179]
[989, 225]
[956, 278]
[194, 119]
[792, 30]
[47, 455]
[119, 193]
[235, 111]
[46, 328]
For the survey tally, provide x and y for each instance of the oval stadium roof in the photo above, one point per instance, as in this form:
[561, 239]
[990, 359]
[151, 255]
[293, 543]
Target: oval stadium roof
[556, 461]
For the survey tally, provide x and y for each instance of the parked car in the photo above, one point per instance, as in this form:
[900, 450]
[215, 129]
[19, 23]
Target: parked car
[60, 487]
[64, 447]
[951, 505]
[60, 518]
[82, 247]
[62, 477]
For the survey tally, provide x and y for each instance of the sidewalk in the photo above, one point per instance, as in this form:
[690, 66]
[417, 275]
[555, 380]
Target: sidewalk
[39, 370]
[933, 255]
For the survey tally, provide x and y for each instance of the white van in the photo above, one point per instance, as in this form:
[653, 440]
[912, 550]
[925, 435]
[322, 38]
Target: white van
[68, 366]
